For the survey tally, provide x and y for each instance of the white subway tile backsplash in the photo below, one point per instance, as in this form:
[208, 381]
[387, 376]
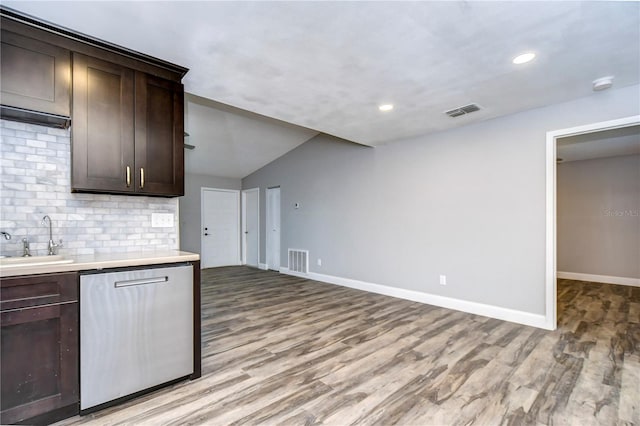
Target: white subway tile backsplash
[57, 132]
[13, 125]
[36, 143]
[25, 135]
[46, 166]
[45, 137]
[35, 180]
[23, 149]
[11, 185]
[13, 171]
[25, 179]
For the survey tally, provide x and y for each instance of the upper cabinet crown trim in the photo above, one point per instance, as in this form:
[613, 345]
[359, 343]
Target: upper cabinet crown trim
[83, 43]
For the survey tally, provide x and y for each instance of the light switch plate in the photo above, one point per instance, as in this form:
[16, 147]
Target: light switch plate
[161, 220]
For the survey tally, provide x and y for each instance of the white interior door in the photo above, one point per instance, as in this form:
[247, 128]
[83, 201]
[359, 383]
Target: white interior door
[251, 226]
[220, 227]
[273, 229]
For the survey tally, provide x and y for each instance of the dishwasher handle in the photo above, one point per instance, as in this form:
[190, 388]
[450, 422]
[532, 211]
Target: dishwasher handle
[129, 283]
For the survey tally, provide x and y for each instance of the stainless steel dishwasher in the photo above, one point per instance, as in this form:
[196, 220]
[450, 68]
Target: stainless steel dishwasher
[136, 331]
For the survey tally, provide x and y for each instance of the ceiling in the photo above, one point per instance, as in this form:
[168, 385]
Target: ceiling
[326, 66]
[601, 144]
[234, 143]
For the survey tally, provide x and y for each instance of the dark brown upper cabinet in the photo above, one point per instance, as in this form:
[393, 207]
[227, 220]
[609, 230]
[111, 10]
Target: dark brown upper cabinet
[35, 80]
[127, 108]
[128, 131]
[103, 126]
[159, 138]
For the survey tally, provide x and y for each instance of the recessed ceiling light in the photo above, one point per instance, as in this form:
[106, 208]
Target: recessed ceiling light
[524, 58]
[385, 107]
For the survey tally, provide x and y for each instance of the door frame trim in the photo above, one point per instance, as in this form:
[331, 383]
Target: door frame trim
[244, 224]
[551, 314]
[266, 220]
[202, 190]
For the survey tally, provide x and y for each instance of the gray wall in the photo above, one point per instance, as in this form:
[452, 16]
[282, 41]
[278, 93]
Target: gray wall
[468, 203]
[599, 216]
[190, 206]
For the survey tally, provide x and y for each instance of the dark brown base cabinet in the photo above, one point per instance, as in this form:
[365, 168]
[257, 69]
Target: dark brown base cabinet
[39, 371]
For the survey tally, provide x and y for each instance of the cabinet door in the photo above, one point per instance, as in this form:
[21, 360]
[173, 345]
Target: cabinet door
[35, 75]
[159, 136]
[39, 345]
[103, 126]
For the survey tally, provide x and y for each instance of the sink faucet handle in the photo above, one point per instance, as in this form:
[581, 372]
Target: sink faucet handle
[26, 251]
[6, 235]
[53, 247]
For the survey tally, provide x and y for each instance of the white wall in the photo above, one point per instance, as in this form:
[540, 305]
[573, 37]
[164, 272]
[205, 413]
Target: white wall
[190, 206]
[599, 216]
[468, 203]
[35, 180]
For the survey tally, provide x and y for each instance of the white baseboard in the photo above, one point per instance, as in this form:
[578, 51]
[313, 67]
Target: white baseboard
[490, 311]
[285, 270]
[634, 282]
[263, 266]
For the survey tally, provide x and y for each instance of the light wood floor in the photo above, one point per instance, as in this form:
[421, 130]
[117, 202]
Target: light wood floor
[284, 350]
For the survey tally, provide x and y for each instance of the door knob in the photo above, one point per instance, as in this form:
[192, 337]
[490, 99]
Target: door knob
[246, 232]
[206, 229]
[206, 233]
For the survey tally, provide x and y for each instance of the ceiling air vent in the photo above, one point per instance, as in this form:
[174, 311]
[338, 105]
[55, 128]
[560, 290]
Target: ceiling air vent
[457, 112]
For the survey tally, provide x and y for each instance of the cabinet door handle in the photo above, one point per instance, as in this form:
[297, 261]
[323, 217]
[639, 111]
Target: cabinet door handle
[128, 176]
[141, 177]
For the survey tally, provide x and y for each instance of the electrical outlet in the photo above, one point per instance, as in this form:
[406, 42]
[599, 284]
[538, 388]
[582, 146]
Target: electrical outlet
[319, 262]
[443, 280]
[161, 220]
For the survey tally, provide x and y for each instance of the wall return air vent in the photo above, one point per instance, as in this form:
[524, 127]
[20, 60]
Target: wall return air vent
[299, 261]
[467, 109]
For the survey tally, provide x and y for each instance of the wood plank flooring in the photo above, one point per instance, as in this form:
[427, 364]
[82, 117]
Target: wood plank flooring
[284, 350]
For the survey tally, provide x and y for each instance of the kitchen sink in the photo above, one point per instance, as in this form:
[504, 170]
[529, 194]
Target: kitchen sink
[13, 262]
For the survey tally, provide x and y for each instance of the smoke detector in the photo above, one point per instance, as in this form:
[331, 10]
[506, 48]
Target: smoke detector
[602, 83]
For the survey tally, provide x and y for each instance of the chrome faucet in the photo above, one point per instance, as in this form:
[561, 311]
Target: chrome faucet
[51, 247]
[26, 251]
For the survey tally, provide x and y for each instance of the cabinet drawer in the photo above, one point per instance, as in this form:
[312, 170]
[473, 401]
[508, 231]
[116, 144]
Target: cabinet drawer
[38, 290]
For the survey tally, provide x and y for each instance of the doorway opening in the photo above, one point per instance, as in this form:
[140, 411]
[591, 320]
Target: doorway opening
[552, 142]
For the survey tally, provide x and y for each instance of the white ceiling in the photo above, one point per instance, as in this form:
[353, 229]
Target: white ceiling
[327, 65]
[234, 143]
[606, 143]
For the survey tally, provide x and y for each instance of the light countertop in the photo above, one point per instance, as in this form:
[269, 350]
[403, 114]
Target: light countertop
[103, 261]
